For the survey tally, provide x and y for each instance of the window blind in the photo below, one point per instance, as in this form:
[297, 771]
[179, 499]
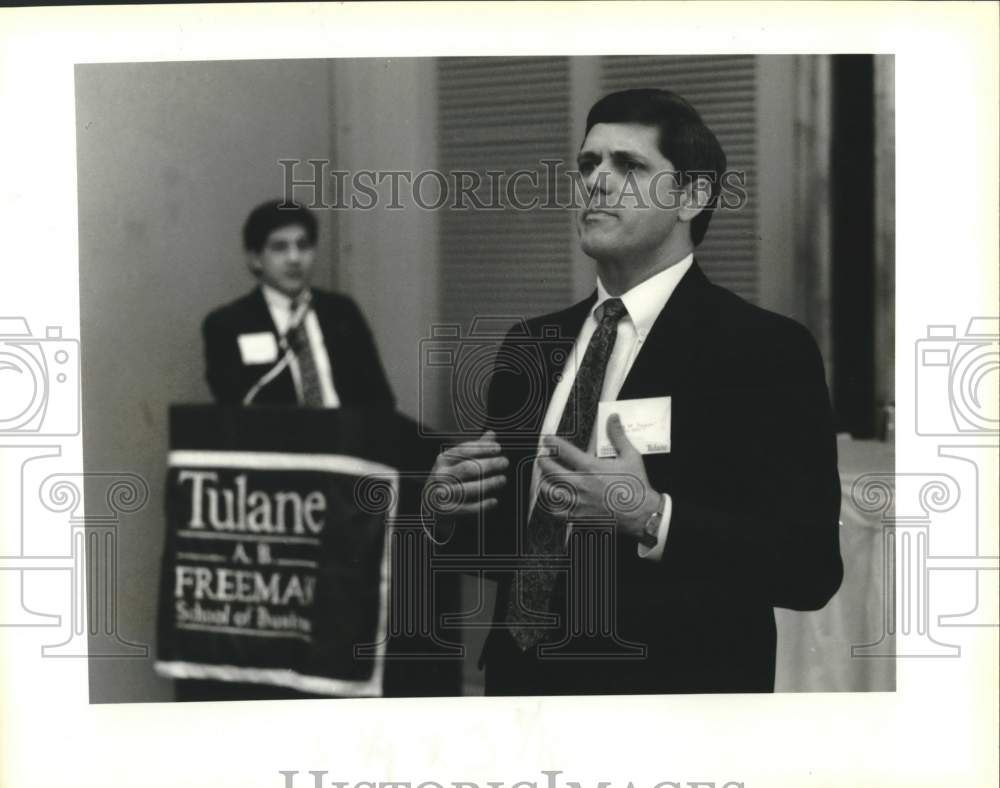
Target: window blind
[508, 114]
[503, 114]
[724, 91]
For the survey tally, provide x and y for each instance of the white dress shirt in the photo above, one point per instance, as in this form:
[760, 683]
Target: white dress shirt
[644, 303]
[282, 311]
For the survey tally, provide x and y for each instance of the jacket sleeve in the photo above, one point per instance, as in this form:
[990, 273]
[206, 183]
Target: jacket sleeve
[373, 381]
[222, 363]
[514, 411]
[492, 534]
[784, 545]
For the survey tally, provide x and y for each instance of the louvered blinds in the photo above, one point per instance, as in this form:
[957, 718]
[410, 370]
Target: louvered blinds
[509, 114]
[724, 91]
[503, 114]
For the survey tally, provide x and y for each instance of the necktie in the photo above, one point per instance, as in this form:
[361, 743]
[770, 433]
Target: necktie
[311, 394]
[546, 530]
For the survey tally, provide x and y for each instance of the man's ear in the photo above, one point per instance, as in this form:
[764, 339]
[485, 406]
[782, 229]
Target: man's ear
[697, 195]
[254, 264]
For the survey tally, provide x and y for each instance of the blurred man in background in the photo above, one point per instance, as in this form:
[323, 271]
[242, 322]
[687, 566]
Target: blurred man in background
[285, 343]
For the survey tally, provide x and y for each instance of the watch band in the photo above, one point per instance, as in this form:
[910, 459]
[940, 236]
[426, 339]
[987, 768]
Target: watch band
[651, 528]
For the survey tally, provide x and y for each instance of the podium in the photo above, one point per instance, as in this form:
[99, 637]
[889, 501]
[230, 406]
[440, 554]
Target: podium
[278, 561]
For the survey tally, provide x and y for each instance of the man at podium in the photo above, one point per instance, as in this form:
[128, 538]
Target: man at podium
[286, 343]
[283, 344]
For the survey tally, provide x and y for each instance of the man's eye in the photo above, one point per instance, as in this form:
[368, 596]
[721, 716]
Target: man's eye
[631, 166]
[586, 167]
[278, 246]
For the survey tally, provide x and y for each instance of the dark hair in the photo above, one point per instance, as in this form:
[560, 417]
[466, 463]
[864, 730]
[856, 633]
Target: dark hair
[270, 216]
[684, 138]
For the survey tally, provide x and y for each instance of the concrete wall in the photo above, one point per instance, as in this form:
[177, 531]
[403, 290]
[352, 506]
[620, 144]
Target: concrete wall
[384, 120]
[171, 156]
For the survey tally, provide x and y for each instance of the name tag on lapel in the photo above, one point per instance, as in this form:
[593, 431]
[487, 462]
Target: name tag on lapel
[646, 423]
[260, 348]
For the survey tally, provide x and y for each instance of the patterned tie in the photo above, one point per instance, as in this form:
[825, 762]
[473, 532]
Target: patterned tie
[311, 395]
[546, 530]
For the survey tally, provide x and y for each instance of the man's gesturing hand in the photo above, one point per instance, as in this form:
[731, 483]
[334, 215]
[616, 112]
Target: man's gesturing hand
[599, 487]
[465, 480]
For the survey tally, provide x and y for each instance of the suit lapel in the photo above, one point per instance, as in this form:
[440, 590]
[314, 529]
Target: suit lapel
[281, 390]
[527, 386]
[553, 337]
[665, 360]
[325, 315]
[558, 335]
[669, 351]
[260, 313]
[341, 351]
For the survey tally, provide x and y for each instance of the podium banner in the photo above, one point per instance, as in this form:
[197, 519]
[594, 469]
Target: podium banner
[276, 563]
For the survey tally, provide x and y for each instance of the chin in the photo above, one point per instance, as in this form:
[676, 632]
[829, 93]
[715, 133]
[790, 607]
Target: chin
[605, 250]
[598, 247]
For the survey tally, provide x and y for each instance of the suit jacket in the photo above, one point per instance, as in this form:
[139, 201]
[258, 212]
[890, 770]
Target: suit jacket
[360, 381]
[753, 477]
[358, 375]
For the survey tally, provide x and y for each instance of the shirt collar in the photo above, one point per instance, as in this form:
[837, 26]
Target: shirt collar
[646, 300]
[278, 300]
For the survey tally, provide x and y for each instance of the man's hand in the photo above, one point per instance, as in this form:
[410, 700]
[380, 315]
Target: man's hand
[600, 487]
[464, 481]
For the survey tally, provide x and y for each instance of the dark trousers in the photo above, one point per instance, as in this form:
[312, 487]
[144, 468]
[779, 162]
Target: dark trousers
[510, 671]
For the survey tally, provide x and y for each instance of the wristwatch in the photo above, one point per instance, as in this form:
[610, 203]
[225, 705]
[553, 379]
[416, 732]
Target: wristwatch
[651, 529]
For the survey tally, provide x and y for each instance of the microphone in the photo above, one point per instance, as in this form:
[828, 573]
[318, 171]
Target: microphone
[288, 352]
[272, 373]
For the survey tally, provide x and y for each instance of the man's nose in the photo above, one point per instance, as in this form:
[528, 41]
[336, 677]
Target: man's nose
[600, 182]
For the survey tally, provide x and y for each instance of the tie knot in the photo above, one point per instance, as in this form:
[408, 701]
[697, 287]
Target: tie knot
[611, 311]
[298, 308]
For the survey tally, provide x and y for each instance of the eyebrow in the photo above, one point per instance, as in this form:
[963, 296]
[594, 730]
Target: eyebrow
[584, 156]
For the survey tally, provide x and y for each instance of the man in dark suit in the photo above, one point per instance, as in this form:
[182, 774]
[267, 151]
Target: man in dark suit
[654, 568]
[285, 343]
[288, 344]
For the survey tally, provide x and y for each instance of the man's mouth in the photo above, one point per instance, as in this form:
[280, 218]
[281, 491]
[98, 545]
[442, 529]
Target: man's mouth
[596, 213]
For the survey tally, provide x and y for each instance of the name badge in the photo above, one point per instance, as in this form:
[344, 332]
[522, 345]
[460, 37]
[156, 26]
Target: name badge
[646, 423]
[261, 348]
